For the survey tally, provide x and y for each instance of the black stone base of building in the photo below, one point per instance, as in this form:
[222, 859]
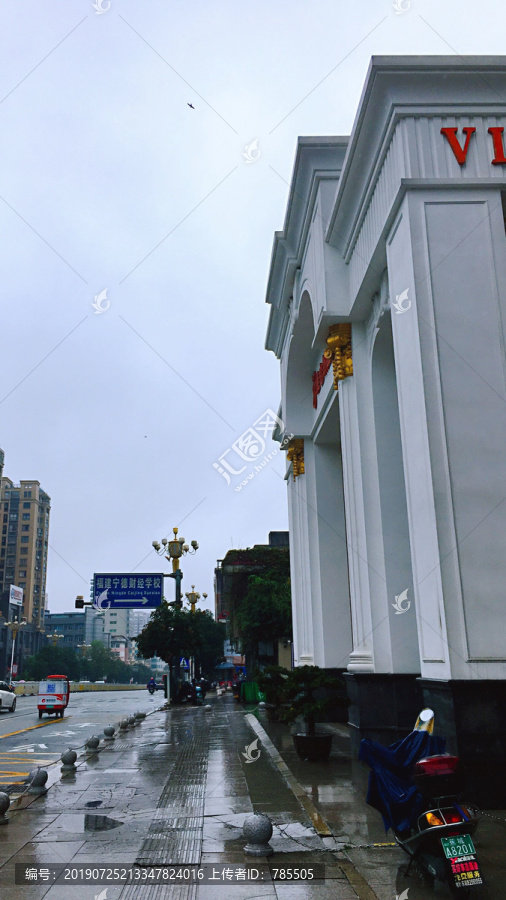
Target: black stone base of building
[471, 715]
[382, 707]
[337, 709]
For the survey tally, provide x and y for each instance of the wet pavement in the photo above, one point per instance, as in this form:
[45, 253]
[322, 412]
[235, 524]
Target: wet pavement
[176, 790]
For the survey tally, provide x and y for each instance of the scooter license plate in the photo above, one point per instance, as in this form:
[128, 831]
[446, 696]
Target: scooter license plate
[459, 845]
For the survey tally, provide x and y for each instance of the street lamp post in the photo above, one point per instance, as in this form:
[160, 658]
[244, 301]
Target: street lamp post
[56, 637]
[14, 627]
[193, 597]
[173, 550]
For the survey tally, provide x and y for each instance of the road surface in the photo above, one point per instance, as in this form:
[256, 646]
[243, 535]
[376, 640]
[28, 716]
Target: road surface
[27, 741]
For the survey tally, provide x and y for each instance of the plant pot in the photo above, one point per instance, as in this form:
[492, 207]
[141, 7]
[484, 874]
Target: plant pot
[315, 747]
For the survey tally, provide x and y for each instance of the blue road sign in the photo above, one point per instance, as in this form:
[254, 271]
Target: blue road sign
[183, 663]
[123, 591]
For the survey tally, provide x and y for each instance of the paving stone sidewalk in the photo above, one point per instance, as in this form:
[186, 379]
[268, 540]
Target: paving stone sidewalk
[176, 790]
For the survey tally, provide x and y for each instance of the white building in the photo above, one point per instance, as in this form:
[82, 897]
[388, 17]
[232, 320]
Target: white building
[121, 625]
[388, 308]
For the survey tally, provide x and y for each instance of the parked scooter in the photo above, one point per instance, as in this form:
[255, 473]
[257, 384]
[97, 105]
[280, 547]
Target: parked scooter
[418, 787]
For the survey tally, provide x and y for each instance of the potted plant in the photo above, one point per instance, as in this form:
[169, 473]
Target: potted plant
[271, 681]
[305, 690]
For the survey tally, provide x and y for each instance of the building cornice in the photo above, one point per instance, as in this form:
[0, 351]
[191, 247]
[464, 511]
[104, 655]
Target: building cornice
[317, 159]
[395, 88]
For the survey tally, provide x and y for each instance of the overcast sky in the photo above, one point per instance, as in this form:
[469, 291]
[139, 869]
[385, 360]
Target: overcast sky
[110, 182]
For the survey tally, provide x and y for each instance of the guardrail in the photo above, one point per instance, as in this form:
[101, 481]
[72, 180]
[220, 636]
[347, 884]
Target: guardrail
[31, 688]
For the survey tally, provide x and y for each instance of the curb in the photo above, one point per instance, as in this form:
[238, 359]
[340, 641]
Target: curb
[356, 880]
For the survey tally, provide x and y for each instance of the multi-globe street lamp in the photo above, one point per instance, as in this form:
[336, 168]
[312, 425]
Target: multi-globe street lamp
[14, 626]
[54, 638]
[173, 550]
[193, 597]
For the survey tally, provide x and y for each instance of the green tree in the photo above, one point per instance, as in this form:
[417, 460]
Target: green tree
[52, 660]
[264, 613]
[210, 639]
[102, 663]
[172, 633]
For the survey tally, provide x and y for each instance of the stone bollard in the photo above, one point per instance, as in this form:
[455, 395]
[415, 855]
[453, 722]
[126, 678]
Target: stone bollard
[257, 830]
[131, 721]
[5, 802]
[68, 759]
[91, 745]
[138, 717]
[109, 732]
[261, 705]
[207, 707]
[123, 725]
[38, 778]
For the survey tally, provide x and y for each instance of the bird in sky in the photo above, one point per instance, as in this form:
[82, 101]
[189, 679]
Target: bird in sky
[190, 105]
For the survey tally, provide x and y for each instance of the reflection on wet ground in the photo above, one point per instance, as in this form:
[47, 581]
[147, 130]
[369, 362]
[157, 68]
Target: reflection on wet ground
[179, 789]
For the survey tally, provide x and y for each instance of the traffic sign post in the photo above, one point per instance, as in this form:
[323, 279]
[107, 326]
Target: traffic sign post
[127, 591]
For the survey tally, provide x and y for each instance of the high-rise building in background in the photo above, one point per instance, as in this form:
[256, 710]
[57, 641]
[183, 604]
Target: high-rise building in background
[24, 510]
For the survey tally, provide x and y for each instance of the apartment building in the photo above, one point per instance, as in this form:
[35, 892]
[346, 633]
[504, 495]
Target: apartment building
[24, 511]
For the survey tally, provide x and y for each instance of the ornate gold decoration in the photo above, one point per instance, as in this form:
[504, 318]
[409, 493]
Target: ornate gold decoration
[339, 351]
[295, 455]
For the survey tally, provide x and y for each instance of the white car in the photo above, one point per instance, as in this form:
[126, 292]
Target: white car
[7, 697]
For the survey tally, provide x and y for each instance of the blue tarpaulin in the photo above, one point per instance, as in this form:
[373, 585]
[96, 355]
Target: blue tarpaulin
[391, 788]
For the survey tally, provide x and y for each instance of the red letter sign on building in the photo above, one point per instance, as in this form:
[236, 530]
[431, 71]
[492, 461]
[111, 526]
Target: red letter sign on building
[451, 136]
[499, 158]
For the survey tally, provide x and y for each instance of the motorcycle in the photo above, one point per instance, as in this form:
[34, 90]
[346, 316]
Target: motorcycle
[418, 788]
[151, 688]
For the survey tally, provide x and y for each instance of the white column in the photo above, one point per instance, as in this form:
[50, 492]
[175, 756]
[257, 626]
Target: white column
[428, 589]
[328, 554]
[361, 657]
[300, 572]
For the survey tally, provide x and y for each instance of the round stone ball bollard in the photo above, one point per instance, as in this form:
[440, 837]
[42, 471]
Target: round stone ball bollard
[131, 721]
[261, 705]
[38, 778]
[123, 725]
[68, 759]
[91, 745]
[109, 732]
[257, 830]
[5, 802]
[208, 707]
[138, 717]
